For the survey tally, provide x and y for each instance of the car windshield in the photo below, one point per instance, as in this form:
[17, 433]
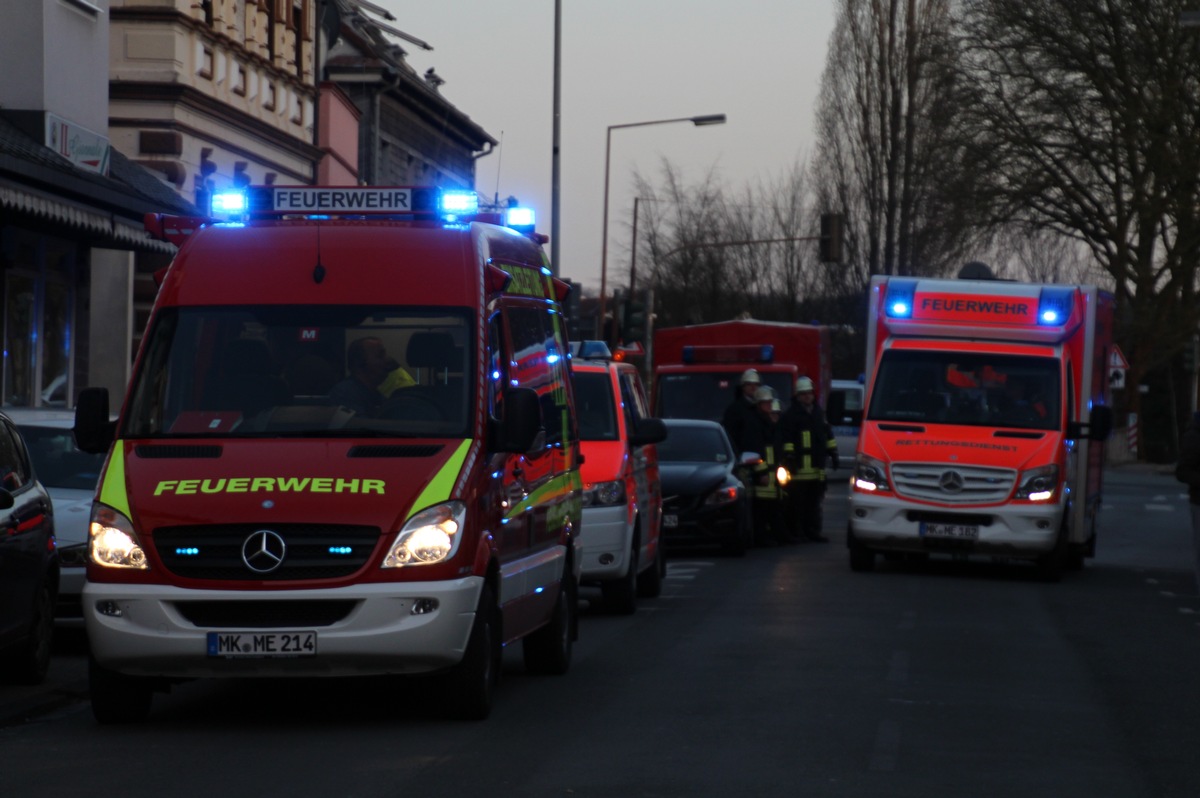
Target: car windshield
[695, 445]
[706, 394]
[970, 388]
[294, 370]
[56, 460]
[594, 406]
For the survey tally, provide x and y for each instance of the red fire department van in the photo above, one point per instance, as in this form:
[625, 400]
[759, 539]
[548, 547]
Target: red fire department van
[987, 410]
[697, 366]
[348, 448]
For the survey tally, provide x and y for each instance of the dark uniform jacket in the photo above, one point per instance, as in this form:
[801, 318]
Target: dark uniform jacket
[740, 416]
[807, 441]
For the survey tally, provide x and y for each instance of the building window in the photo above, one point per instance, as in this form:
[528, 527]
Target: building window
[269, 96]
[239, 79]
[206, 63]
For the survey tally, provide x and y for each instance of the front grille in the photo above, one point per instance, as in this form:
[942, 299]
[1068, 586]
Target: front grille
[314, 551]
[953, 484]
[679, 503]
[265, 614]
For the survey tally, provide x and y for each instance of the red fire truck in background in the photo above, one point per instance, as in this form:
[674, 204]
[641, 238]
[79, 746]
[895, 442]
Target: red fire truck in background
[987, 410]
[697, 366]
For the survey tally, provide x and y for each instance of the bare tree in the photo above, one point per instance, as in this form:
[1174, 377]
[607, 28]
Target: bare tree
[889, 156]
[1085, 120]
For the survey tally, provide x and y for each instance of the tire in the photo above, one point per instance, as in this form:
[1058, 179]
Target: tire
[548, 650]
[472, 682]
[862, 559]
[1050, 565]
[117, 698]
[29, 663]
[620, 595]
[650, 581]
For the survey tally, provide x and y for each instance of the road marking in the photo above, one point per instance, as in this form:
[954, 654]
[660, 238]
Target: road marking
[887, 746]
[1161, 507]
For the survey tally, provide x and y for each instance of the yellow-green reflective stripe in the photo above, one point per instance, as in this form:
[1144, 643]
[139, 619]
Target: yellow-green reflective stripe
[113, 492]
[438, 489]
[559, 485]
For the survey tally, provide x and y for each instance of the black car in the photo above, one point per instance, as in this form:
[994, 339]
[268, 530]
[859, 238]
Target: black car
[703, 499]
[28, 564]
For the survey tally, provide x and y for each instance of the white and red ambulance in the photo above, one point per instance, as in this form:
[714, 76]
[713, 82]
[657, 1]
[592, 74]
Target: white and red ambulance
[987, 410]
[348, 448]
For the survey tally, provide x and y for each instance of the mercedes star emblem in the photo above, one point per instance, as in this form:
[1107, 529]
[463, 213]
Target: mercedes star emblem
[951, 481]
[263, 551]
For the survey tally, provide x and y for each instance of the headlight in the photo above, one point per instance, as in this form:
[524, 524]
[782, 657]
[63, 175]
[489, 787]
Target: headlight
[782, 476]
[720, 496]
[870, 474]
[604, 494]
[430, 536]
[112, 541]
[1038, 484]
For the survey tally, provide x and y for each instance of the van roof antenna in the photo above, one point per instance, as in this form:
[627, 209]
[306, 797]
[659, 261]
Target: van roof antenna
[499, 163]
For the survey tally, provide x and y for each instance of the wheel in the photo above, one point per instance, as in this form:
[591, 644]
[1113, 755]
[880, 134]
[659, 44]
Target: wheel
[472, 682]
[862, 559]
[1050, 565]
[548, 650]
[650, 581]
[620, 595]
[29, 663]
[117, 698]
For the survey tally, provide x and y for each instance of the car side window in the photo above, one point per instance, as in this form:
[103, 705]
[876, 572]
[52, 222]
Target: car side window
[15, 472]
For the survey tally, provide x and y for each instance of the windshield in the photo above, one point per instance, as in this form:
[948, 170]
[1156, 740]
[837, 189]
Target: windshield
[58, 463]
[695, 445]
[594, 406]
[304, 370]
[706, 394]
[970, 388]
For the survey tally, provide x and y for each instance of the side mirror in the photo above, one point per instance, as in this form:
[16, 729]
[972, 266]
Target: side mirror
[522, 422]
[647, 431]
[1097, 428]
[6, 499]
[94, 432]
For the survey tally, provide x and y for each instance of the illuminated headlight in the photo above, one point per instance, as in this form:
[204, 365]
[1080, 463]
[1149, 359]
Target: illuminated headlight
[430, 536]
[604, 494]
[722, 496]
[112, 542]
[782, 475]
[1038, 484]
[870, 474]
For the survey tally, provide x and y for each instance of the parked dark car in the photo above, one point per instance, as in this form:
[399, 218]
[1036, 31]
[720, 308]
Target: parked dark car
[704, 502]
[28, 564]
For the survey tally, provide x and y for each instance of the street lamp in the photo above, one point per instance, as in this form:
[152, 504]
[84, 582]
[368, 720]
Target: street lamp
[698, 121]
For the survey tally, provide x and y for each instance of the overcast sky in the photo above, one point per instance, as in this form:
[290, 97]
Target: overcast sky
[757, 61]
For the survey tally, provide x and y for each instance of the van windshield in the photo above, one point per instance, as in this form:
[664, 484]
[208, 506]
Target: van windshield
[594, 406]
[972, 388]
[706, 394]
[286, 370]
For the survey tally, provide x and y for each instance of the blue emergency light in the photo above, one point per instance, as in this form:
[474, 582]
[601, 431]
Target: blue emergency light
[898, 302]
[519, 218]
[458, 203]
[229, 203]
[1054, 306]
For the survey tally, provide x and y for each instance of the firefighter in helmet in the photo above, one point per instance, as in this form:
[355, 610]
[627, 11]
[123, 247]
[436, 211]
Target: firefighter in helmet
[808, 445]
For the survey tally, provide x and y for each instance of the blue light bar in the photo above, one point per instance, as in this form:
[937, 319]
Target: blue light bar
[519, 218]
[458, 203]
[1054, 306]
[229, 203]
[767, 353]
[898, 302]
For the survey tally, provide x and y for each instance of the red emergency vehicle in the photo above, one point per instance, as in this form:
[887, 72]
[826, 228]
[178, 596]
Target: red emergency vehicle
[987, 410]
[348, 447]
[697, 366]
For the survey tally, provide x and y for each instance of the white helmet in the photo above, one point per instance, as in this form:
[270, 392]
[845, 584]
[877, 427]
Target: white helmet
[750, 376]
[776, 407]
[803, 385]
[764, 394]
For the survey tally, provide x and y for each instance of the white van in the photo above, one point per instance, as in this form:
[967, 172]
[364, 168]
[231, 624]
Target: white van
[845, 413]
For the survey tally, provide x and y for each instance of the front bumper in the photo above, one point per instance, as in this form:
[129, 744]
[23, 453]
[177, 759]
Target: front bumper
[607, 535]
[701, 525]
[886, 523]
[379, 634]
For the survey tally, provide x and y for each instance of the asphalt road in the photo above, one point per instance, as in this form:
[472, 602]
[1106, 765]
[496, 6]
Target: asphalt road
[778, 673]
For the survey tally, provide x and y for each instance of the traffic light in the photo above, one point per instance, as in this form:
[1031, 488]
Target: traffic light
[633, 321]
[830, 245]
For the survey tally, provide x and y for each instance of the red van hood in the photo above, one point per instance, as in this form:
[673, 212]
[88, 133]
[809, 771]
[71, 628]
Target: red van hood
[603, 461]
[302, 480]
[942, 443]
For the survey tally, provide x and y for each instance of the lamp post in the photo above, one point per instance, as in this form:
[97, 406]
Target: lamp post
[698, 121]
